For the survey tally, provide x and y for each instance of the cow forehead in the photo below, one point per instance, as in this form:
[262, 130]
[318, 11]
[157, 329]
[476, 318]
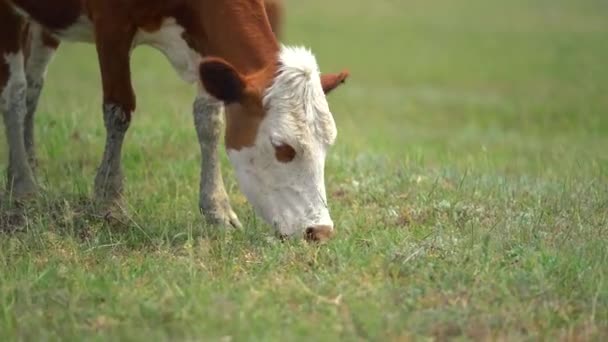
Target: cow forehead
[293, 108]
[296, 103]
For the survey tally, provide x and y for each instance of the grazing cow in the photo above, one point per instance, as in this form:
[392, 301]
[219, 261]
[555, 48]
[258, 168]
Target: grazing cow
[278, 123]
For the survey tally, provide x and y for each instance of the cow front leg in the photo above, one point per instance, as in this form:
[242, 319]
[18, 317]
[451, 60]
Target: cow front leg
[113, 42]
[13, 86]
[213, 200]
[109, 178]
[41, 50]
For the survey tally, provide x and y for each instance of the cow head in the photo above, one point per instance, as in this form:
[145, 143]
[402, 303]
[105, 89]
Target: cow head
[277, 138]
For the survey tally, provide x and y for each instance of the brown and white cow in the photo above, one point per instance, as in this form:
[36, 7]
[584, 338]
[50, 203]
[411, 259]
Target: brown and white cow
[278, 123]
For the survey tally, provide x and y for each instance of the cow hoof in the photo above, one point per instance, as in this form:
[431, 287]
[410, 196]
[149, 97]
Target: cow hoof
[22, 189]
[221, 215]
[112, 211]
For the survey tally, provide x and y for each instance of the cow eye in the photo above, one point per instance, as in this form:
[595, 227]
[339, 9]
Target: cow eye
[284, 152]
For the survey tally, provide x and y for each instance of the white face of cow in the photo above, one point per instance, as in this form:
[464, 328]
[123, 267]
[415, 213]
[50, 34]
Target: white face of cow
[281, 170]
[282, 174]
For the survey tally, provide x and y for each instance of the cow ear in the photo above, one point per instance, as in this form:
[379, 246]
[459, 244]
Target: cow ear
[332, 81]
[221, 80]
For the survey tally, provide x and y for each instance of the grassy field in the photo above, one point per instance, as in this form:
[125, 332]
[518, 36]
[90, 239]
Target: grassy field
[469, 185]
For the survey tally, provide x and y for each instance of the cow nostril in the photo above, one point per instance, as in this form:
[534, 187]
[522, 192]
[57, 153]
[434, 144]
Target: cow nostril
[319, 233]
[309, 234]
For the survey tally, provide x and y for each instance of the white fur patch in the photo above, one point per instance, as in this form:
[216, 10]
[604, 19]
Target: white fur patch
[291, 197]
[297, 90]
[168, 40]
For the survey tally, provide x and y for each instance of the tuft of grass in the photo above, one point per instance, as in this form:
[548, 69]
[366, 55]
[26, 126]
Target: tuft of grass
[469, 185]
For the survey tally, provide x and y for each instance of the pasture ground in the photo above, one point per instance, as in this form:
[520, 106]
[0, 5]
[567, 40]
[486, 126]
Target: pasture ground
[469, 184]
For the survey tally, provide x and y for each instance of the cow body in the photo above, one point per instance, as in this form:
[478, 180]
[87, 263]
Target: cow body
[239, 32]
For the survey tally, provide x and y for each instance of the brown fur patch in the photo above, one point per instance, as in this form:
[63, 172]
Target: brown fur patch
[12, 29]
[242, 123]
[114, 44]
[274, 11]
[54, 15]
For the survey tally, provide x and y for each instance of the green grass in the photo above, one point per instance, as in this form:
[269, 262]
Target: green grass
[469, 185]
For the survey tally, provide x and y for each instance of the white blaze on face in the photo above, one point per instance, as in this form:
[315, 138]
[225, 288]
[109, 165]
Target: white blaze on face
[290, 195]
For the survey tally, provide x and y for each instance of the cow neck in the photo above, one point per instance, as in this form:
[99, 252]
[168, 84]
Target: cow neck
[239, 32]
